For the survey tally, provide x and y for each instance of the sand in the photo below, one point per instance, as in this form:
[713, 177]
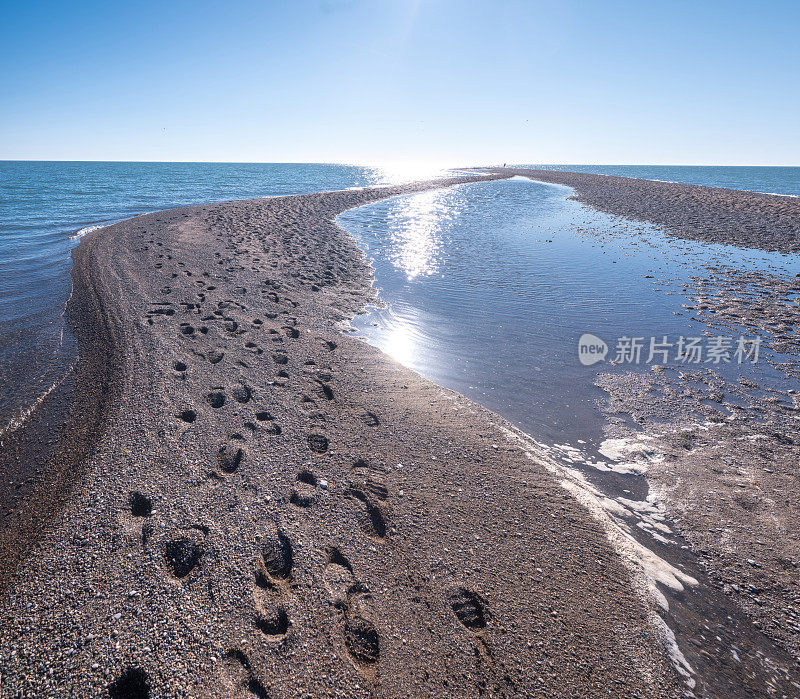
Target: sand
[258, 505]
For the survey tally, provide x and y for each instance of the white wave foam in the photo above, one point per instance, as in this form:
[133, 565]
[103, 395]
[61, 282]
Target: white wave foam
[84, 231]
[24, 414]
[649, 570]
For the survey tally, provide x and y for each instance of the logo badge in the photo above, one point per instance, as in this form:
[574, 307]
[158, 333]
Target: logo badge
[591, 349]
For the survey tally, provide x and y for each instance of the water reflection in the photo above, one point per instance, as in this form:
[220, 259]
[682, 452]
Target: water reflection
[490, 285]
[400, 344]
[399, 172]
[417, 226]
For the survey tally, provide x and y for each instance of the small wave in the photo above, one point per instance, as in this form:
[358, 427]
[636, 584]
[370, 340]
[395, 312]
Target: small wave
[778, 194]
[83, 231]
[24, 414]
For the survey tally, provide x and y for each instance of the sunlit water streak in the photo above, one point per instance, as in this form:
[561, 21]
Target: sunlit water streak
[489, 286]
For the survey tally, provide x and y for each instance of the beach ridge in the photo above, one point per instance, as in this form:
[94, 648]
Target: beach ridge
[292, 509]
[694, 212]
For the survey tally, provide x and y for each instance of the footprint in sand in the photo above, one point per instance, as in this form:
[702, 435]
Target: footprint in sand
[369, 479]
[182, 556]
[237, 678]
[242, 393]
[272, 429]
[270, 615]
[367, 484]
[187, 415]
[361, 638]
[215, 355]
[327, 344]
[469, 608]
[141, 505]
[133, 683]
[270, 586]
[160, 308]
[322, 389]
[305, 489]
[370, 419]
[277, 556]
[338, 577]
[318, 443]
[230, 457]
[216, 399]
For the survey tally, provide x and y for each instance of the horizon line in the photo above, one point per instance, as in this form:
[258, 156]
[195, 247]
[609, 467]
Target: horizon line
[409, 163]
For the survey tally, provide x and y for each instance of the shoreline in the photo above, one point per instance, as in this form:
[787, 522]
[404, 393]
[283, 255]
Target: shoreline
[284, 503]
[636, 506]
[323, 292]
[712, 214]
[46, 454]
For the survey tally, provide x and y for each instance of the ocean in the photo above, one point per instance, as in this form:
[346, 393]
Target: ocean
[769, 180]
[45, 207]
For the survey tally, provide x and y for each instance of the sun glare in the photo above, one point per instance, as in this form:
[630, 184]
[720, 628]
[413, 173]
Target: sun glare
[409, 171]
[400, 344]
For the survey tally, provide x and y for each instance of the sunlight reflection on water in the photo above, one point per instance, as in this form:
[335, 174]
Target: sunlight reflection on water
[416, 245]
[490, 285]
[397, 173]
[400, 343]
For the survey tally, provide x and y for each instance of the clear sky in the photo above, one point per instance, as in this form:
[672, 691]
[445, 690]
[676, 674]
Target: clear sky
[375, 81]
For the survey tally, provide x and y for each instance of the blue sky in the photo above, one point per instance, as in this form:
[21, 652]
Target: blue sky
[375, 81]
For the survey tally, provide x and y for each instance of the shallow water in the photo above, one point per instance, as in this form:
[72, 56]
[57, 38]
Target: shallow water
[489, 287]
[46, 206]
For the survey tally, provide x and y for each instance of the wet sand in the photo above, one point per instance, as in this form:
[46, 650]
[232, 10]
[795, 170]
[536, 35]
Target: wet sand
[723, 454]
[720, 456]
[272, 508]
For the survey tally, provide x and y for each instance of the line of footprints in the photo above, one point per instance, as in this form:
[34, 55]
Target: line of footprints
[273, 579]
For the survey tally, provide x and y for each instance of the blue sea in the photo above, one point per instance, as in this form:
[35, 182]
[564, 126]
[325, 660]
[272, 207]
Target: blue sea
[485, 240]
[769, 180]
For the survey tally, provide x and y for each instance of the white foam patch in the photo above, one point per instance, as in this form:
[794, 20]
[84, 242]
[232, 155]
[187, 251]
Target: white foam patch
[649, 570]
[85, 231]
[629, 455]
[678, 658]
[650, 510]
[655, 568]
[17, 422]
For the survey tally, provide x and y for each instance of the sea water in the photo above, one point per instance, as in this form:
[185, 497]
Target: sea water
[769, 180]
